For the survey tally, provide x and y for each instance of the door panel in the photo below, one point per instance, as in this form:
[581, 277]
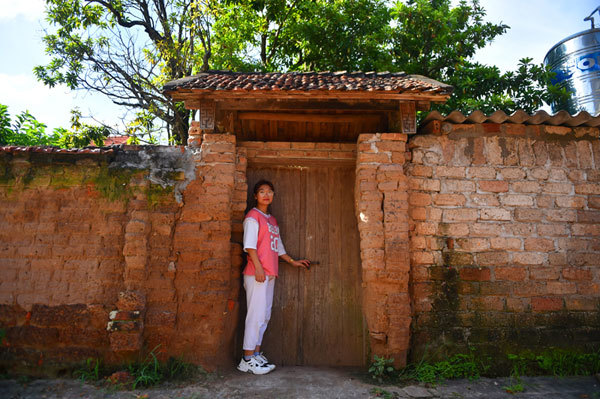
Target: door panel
[317, 314]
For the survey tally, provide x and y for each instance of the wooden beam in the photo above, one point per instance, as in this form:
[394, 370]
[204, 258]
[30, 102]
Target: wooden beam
[295, 162]
[185, 94]
[367, 105]
[328, 118]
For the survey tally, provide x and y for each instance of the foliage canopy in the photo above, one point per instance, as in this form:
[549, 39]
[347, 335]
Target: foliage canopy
[128, 49]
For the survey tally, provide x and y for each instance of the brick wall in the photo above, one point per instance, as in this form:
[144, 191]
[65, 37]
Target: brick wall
[113, 254]
[505, 237]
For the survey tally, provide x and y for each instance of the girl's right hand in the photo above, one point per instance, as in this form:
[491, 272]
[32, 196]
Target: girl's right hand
[259, 275]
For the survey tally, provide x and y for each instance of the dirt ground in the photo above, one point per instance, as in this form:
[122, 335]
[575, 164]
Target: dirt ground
[304, 382]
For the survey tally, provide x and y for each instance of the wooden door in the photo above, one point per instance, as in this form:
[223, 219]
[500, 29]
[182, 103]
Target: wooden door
[317, 314]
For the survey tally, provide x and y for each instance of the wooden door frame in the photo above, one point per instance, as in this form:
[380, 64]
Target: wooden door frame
[258, 161]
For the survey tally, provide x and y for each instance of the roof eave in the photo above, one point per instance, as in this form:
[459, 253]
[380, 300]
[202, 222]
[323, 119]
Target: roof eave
[187, 94]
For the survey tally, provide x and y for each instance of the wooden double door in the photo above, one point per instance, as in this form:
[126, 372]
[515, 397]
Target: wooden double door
[317, 314]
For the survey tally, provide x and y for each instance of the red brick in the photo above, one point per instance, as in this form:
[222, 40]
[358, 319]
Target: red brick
[589, 288]
[539, 245]
[482, 172]
[394, 136]
[582, 303]
[545, 201]
[460, 215]
[557, 175]
[419, 199]
[570, 202]
[495, 214]
[553, 230]
[511, 273]
[517, 304]
[528, 258]
[473, 244]
[420, 170]
[455, 229]
[544, 273]
[492, 258]
[449, 199]
[586, 229]
[485, 199]
[506, 243]
[372, 158]
[546, 304]
[560, 287]
[451, 171]
[517, 200]
[487, 303]
[558, 188]
[424, 184]
[577, 274]
[512, 174]
[475, 274]
[426, 228]
[494, 186]
[528, 215]
[525, 187]
[457, 186]
[562, 215]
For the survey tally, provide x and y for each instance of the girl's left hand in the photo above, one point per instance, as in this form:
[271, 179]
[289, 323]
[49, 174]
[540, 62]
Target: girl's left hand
[301, 263]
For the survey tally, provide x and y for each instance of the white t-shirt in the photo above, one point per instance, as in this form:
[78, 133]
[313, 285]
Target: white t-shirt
[251, 235]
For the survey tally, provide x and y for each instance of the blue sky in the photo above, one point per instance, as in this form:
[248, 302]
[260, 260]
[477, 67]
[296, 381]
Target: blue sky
[536, 25]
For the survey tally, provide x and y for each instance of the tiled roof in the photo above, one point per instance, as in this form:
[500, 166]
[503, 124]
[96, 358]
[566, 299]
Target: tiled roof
[56, 150]
[386, 82]
[561, 118]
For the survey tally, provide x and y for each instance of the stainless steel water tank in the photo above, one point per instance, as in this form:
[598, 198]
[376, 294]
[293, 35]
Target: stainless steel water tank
[576, 61]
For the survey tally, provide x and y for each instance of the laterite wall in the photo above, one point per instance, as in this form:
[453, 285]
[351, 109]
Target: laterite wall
[504, 238]
[482, 235]
[113, 253]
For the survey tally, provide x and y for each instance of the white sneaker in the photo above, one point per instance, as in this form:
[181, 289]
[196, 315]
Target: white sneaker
[265, 362]
[253, 366]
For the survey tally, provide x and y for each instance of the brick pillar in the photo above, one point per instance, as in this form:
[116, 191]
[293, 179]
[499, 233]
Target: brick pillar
[194, 135]
[382, 213]
[202, 244]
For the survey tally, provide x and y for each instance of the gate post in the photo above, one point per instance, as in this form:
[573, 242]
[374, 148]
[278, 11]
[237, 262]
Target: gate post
[381, 196]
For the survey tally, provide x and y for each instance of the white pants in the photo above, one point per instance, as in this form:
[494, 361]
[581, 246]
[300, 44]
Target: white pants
[259, 299]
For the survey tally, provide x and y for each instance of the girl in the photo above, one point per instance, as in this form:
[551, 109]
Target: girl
[263, 245]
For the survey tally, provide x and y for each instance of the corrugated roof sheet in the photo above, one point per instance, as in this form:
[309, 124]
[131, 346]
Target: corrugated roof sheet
[306, 81]
[562, 118]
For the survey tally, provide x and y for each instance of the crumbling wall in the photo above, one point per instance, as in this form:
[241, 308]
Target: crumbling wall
[112, 253]
[505, 237]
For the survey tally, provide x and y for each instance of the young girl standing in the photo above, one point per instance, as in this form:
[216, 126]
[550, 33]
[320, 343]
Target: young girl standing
[264, 247]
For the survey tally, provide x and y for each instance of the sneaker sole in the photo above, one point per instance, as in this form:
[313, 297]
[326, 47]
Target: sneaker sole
[249, 370]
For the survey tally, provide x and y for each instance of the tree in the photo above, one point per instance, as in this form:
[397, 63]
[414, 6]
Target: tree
[302, 35]
[26, 130]
[434, 39]
[128, 49]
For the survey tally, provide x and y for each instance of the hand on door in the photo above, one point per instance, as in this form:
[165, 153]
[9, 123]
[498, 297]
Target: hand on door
[305, 263]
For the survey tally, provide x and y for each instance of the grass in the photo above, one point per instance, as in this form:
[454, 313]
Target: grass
[146, 373]
[553, 361]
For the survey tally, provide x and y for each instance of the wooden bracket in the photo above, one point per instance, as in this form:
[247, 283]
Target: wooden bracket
[207, 115]
[408, 117]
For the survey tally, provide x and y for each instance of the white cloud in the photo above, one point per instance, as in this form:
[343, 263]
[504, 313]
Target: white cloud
[52, 106]
[48, 105]
[30, 9]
